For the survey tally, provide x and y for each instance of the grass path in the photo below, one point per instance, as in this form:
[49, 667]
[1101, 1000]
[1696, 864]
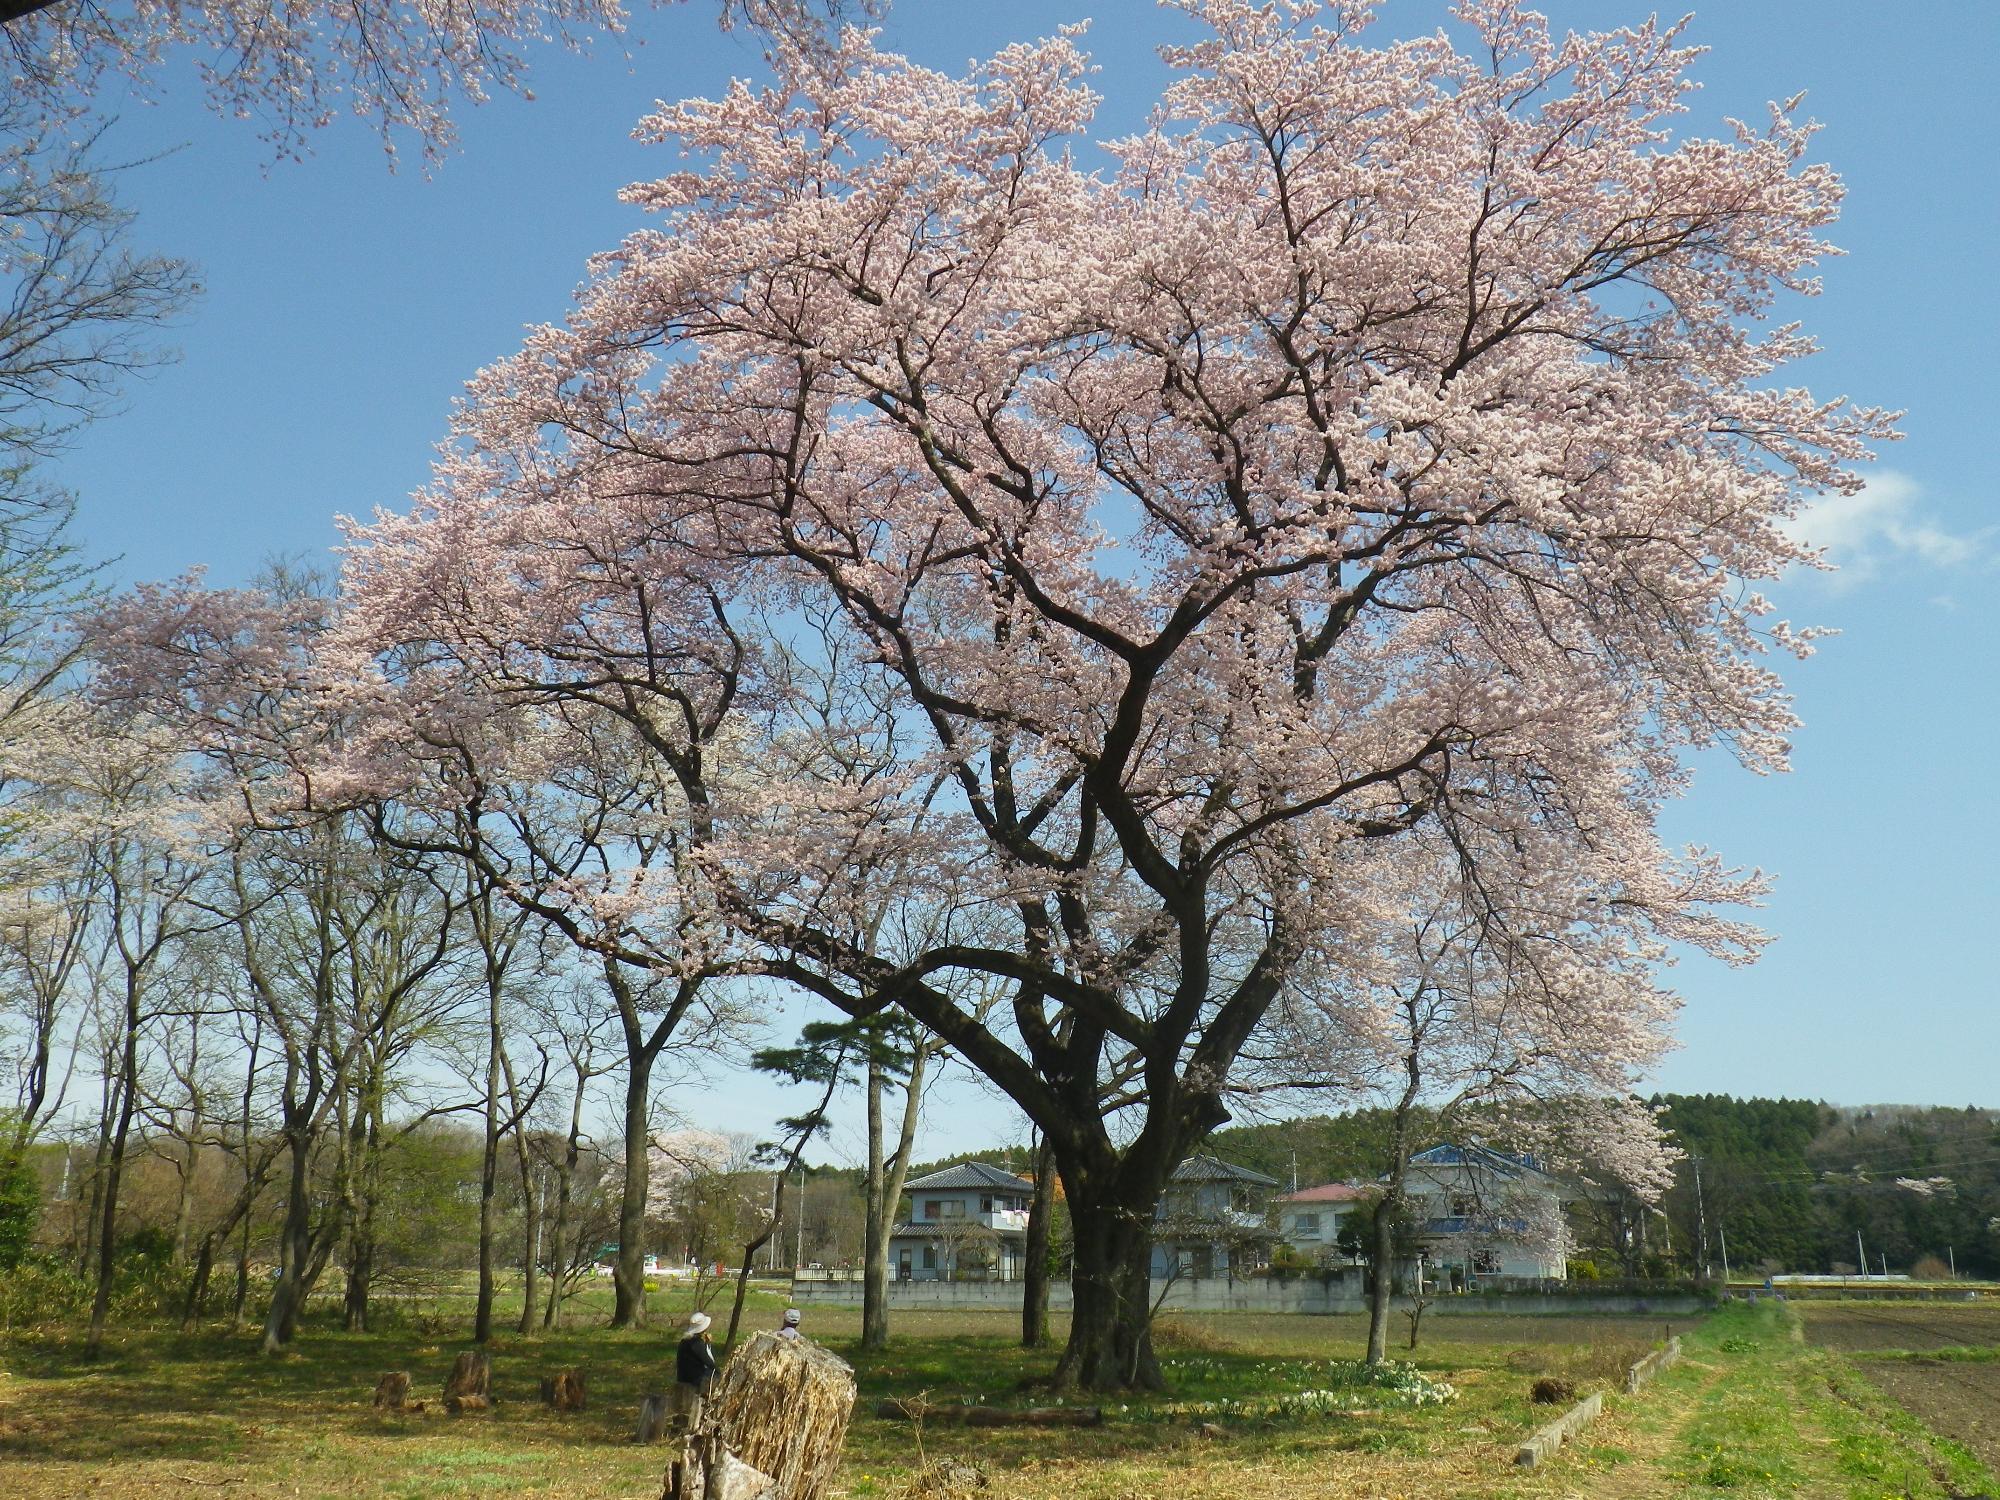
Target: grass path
[1753, 1412]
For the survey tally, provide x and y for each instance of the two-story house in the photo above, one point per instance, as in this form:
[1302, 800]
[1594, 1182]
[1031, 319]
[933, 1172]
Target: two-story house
[1480, 1212]
[1213, 1220]
[966, 1223]
[1311, 1219]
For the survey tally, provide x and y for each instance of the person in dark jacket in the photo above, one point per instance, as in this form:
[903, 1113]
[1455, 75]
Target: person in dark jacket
[694, 1359]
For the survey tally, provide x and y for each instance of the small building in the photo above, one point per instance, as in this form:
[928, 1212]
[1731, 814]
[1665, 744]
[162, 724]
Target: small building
[1213, 1220]
[1311, 1219]
[1480, 1212]
[966, 1223]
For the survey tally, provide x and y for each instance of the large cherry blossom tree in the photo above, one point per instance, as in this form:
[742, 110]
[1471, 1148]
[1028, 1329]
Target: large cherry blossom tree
[1387, 439]
[293, 66]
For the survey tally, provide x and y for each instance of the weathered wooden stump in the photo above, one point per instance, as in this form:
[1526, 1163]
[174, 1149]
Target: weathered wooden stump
[782, 1407]
[563, 1390]
[468, 1402]
[705, 1470]
[471, 1375]
[678, 1411]
[392, 1391]
[652, 1419]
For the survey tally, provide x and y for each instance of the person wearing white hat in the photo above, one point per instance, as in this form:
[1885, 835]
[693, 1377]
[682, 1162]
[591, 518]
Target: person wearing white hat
[790, 1328]
[694, 1359]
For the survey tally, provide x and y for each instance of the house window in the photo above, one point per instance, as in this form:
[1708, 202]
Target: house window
[986, 1204]
[951, 1208]
[1486, 1262]
[1464, 1205]
[930, 1257]
[930, 1208]
[1306, 1224]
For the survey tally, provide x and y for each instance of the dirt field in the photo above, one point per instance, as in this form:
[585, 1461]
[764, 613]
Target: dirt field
[1916, 1326]
[1957, 1398]
[1958, 1401]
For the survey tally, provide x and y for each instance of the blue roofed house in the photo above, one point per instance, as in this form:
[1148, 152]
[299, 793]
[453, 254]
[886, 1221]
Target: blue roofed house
[1213, 1220]
[966, 1223]
[1480, 1212]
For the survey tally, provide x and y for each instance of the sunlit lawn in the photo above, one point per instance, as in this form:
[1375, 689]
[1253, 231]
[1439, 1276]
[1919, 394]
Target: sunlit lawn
[160, 1414]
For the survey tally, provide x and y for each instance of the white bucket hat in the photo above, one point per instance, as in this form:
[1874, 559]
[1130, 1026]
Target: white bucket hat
[698, 1323]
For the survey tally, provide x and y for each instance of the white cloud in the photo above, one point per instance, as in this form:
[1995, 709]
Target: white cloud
[1882, 523]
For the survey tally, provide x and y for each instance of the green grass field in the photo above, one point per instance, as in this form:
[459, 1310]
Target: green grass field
[1752, 1411]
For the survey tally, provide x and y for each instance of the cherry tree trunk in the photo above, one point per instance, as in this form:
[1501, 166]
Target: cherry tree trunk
[1035, 1252]
[1381, 1282]
[1110, 1336]
[628, 1274]
[875, 1230]
[489, 1171]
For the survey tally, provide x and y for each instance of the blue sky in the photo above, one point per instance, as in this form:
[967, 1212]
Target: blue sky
[346, 305]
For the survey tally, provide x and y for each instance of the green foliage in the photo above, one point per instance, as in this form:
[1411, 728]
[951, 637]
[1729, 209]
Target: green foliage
[37, 1291]
[20, 1206]
[1355, 1147]
[1287, 1261]
[1790, 1181]
[425, 1221]
[1585, 1270]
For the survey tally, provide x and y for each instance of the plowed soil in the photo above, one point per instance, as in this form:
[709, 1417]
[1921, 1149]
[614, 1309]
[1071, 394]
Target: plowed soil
[1916, 1326]
[1958, 1399]
[1955, 1400]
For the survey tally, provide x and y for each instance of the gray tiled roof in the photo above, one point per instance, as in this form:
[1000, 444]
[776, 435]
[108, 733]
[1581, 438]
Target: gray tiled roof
[1213, 1169]
[969, 1174]
[1478, 1158]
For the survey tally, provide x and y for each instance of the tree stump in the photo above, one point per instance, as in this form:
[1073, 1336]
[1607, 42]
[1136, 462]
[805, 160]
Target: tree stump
[392, 1391]
[782, 1407]
[457, 1404]
[705, 1470]
[563, 1391]
[652, 1420]
[471, 1375]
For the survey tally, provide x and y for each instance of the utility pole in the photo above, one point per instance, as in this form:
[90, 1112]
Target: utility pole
[799, 1240]
[1725, 1253]
[1953, 1260]
[1861, 1255]
[1701, 1222]
[1295, 1169]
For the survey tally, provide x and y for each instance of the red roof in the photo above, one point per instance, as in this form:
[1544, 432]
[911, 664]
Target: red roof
[1331, 1192]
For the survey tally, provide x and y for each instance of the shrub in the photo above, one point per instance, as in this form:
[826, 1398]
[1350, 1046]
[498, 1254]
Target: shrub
[1189, 1337]
[38, 1289]
[1289, 1261]
[20, 1206]
[1584, 1270]
[1550, 1391]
